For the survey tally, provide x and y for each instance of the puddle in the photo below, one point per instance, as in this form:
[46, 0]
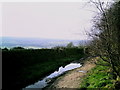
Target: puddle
[44, 82]
[82, 71]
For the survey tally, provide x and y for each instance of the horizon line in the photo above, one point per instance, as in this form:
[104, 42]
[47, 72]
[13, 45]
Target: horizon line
[40, 38]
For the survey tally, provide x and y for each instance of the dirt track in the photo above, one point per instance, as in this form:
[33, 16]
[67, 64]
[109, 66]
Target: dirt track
[73, 78]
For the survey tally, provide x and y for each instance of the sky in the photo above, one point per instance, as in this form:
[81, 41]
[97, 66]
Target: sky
[54, 20]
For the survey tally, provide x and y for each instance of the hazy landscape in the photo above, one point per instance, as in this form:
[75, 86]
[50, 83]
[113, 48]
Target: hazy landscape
[54, 45]
[37, 43]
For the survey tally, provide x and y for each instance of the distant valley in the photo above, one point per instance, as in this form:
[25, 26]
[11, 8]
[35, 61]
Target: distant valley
[36, 43]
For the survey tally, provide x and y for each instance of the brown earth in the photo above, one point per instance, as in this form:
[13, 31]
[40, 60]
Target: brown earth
[73, 78]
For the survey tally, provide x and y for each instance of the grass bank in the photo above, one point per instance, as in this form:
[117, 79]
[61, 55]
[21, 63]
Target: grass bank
[99, 77]
[26, 66]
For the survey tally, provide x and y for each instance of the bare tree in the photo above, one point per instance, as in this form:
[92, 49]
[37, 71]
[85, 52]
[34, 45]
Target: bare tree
[105, 33]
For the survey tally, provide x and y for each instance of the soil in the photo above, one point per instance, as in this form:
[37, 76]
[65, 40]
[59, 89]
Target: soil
[73, 78]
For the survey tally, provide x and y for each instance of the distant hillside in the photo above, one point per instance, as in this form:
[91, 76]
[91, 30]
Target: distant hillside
[37, 42]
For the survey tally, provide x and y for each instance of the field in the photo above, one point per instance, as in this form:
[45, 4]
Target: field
[22, 67]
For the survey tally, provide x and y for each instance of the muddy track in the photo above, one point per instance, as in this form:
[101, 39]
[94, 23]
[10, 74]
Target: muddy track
[73, 78]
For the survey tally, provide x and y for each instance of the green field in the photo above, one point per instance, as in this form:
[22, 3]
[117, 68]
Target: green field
[22, 67]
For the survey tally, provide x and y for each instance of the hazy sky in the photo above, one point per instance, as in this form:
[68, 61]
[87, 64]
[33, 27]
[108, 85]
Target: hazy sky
[59, 20]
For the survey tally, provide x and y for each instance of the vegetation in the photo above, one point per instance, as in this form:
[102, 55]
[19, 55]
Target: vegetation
[26, 66]
[99, 77]
[14, 48]
[106, 42]
[23, 67]
[70, 45]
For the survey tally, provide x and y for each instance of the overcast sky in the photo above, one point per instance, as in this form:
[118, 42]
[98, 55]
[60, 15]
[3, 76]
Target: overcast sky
[58, 20]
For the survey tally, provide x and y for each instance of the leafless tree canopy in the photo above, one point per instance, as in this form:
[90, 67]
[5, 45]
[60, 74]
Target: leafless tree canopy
[106, 42]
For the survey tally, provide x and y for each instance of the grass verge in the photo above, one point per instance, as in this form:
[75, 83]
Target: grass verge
[99, 77]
